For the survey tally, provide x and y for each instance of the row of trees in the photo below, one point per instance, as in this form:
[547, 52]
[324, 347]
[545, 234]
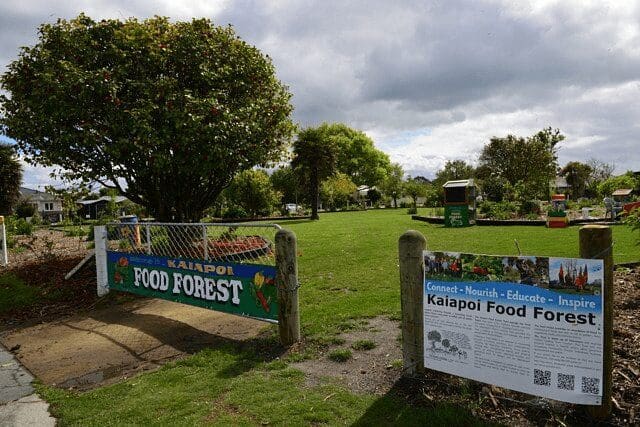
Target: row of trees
[176, 115]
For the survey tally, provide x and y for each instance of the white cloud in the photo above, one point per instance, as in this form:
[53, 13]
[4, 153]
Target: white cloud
[430, 81]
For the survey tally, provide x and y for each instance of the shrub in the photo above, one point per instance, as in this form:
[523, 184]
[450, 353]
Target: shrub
[25, 209]
[364, 345]
[529, 207]
[586, 203]
[340, 355]
[76, 232]
[36, 219]
[22, 227]
[633, 221]
[412, 210]
[235, 212]
[498, 210]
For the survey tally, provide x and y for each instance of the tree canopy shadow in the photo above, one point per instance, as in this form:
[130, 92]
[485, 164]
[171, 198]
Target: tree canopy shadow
[190, 340]
[405, 405]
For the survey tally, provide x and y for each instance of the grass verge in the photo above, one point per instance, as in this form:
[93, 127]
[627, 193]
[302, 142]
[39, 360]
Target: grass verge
[228, 387]
[14, 294]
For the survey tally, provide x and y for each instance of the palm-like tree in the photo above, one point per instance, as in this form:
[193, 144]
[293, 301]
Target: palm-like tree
[315, 156]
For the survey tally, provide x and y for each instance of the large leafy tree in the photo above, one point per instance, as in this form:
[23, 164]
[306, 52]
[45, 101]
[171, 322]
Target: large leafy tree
[577, 175]
[337, 190]
[608, 186]
[315, 157]
[10, 179]
[357, 155]
[166, 113]
[527, 163]
[454, 170]
[600, 171]
[392, 186]
[415, 188]
[252, 191]
[286, 181]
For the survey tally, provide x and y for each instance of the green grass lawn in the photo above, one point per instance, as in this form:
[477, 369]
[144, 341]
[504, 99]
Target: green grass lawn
[228, 387]
[348, 263]
[348, 269]
[14, 294]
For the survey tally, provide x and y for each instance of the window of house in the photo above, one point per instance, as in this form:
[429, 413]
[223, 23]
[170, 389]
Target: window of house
[48, 206]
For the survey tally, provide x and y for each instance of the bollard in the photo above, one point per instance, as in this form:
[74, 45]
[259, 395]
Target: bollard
[287, 283]
[410, 255]
[596, 242]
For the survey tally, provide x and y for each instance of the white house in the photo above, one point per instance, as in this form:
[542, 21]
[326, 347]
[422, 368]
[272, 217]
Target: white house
[48, 206]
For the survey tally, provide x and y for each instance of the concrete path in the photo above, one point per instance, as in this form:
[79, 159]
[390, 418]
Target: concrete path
[19, 405]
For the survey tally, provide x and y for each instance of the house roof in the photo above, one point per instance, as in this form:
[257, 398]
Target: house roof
[622, 192]
[459, 183]
[118, 199]
[37, 196]
[560, 182]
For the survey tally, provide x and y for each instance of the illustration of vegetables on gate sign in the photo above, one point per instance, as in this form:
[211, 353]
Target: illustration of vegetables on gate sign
[263, 290]
[122, 271]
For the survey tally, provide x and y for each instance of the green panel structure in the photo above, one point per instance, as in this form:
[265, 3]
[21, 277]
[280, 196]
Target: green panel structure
[456, 216]
[459, 203]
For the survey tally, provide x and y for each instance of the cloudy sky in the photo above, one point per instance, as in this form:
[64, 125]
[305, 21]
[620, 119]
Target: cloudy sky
[428, 81]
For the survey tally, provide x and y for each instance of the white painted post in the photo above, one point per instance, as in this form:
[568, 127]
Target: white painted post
[100, 240]
[4, 259]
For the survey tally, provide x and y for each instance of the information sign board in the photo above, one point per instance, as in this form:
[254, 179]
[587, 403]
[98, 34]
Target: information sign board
[531, 324]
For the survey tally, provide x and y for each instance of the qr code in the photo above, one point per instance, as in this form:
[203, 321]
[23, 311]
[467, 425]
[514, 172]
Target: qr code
[566, 381]
[541, 377]
[591, 385]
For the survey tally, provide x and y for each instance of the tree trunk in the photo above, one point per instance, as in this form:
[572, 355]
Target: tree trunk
[315, 198]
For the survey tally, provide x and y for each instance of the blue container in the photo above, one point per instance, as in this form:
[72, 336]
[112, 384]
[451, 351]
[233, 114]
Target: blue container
[129, 219]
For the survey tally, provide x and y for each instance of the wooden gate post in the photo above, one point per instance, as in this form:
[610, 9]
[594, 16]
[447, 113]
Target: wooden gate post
[596, 242]
[287, 284]
[4, 258]
[410, 252]
[100, 242]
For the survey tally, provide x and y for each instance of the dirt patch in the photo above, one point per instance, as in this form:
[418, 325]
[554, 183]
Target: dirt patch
[64, 340]
[107, 345]
[368, 371]
[42, 261]
[377, 371]
[46, 244]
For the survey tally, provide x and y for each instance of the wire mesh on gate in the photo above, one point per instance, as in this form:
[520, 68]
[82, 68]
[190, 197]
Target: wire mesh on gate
[242, 243]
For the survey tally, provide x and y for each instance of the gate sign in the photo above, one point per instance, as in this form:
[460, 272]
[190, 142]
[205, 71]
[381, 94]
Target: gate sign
[531, 324]
[243, 289]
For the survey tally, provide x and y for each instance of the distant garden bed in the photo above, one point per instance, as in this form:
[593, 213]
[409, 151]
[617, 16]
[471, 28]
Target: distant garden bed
[489, 221]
